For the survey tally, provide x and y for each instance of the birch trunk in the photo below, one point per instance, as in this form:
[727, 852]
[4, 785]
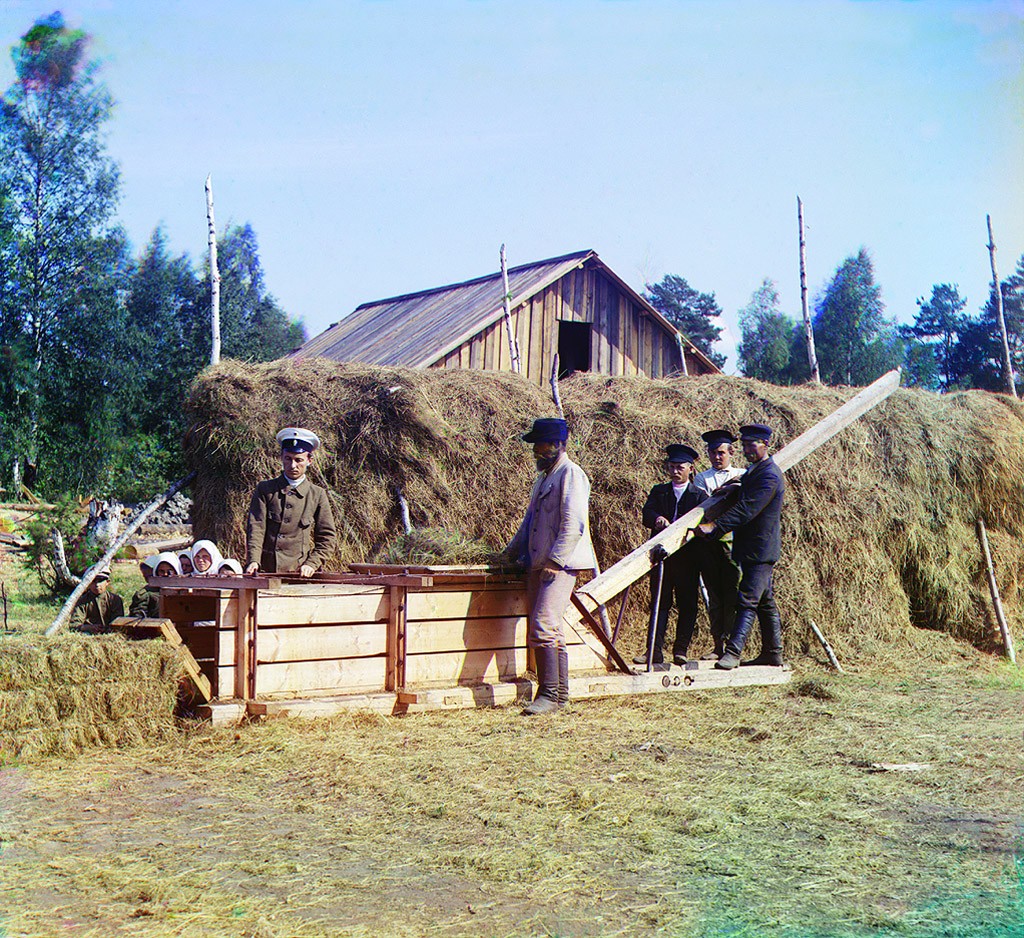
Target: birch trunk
[812, 355]
[1011, 387]
[214, 276]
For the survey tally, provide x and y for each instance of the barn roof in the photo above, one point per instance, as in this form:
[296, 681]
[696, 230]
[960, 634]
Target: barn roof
[418, 329]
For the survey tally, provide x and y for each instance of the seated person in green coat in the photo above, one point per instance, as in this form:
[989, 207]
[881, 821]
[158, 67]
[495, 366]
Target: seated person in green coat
[98, 607]
[146, 601]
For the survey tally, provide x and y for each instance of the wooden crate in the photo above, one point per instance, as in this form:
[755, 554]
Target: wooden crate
[385, 630]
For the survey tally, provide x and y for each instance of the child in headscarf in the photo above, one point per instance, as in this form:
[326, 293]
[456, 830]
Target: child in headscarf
[166, 564]
[229, 567]
[185, 561]
[205, 558]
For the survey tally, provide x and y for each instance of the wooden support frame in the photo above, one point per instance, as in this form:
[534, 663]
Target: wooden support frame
[164, 628]
[245, 645]
[394, 675]
[598, 630]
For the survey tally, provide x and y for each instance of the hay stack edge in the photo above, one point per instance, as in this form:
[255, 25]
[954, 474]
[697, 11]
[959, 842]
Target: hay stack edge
[879, 525]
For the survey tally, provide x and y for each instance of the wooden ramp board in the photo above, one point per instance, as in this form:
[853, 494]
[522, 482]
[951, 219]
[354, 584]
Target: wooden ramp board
[164, 628]
[312, 708]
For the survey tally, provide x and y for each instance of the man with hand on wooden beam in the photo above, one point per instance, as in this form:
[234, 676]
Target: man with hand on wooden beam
[718, 570]
[291, 525]
[553, 542]
[755, 521]
[666, 502]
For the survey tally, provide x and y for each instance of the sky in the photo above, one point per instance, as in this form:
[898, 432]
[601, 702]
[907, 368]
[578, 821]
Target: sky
[382, 147]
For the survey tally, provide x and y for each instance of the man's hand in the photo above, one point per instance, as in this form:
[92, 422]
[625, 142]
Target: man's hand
[705, 530]
[306, 570]
[252, 568]
[660, 523]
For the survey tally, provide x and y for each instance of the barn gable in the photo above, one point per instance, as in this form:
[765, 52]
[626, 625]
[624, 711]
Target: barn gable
[573, 304]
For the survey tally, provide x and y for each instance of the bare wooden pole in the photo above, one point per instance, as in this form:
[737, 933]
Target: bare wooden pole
[1011, 387]
[832, 659]
[555, 394]
[513, 342]
[90, 574]
[682, 354]
[812, 356]
[214, 275]
[993, 588]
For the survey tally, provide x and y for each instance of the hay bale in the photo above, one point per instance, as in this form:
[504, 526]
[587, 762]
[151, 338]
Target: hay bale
[878, 527]
[63, 695]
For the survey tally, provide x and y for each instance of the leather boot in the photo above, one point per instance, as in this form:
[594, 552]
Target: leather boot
[740, 631]
[771, 640]
[546, 701]
[563, 676]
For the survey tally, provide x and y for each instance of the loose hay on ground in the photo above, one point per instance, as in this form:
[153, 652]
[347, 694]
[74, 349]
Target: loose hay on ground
[72, 692]
[879, 525]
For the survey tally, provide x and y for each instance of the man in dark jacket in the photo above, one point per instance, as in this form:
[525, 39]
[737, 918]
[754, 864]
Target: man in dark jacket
[290, 526]
[98, 607]
[667, 502]
[754, 519]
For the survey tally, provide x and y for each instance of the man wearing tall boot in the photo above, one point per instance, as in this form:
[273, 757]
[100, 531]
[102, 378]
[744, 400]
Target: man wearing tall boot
[553, 542]
[718, 570]
[754, 519]
[679, 576]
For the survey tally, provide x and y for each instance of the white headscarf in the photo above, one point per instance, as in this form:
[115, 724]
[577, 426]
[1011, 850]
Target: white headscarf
[167, 557]
[230, 565]
[215, 557]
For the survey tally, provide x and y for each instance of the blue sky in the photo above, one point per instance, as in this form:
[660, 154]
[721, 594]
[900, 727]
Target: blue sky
[385, 147]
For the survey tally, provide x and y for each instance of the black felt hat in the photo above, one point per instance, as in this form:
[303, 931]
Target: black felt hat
[548, 430]
[717, 437]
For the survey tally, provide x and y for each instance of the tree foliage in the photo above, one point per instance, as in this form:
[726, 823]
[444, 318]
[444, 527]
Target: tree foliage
[766, 337]
[854, 341]
[689, 311]
[96, 349]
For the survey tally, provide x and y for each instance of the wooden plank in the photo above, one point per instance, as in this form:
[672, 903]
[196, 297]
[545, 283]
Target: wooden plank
[394, 672]
[464, 355]
[212, 582]
[435, 635]
[482, 666]
[338, 676]
[490, 353]
[319, 642]
[356, 607]
[537, 374]
[475, 352]
[318, 708]
[468, 604]
[245, 646]
[608, 584]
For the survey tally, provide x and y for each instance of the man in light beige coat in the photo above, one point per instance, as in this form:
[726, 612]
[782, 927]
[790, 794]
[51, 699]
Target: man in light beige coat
[553, 542]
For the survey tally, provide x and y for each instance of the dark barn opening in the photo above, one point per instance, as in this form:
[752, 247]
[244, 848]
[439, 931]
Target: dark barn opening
[573, 347]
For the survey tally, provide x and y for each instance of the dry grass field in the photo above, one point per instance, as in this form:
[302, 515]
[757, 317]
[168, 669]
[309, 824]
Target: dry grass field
[752, 812]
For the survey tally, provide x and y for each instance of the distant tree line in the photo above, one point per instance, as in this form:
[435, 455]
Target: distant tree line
[98, 346]
[944, 349]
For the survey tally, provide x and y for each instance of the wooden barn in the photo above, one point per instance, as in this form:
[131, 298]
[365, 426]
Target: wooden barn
[574, 305]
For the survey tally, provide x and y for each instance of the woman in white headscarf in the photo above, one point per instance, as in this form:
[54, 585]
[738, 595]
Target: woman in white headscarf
[166, 564]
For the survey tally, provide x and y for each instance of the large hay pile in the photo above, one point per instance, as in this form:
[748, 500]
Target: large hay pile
[63, 695]
[878, 527]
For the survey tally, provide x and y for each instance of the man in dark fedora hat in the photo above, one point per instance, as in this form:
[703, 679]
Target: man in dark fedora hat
[666, 502]
[718, 570]
[755, 521]
[290, 526]
[553, 543]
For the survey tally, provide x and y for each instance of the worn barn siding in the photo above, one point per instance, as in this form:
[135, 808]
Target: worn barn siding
[625, 339]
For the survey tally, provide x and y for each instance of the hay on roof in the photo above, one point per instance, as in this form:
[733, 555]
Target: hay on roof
[878, 526]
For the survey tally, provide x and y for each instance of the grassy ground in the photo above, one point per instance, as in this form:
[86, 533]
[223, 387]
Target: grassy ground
[750, 812]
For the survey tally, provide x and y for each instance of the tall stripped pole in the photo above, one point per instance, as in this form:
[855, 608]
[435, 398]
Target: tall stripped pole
[997, 604]
[1011, 388]
[812, 356]
[513, 342]
[214, 275]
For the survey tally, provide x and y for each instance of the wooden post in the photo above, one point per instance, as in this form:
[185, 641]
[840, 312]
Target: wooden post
[993, 587]
[832, 659]
[245, 645]
[513, 342]
[812, 356]
[682, 353]
[214, 276]
[555, 395]
[1011, 387]
[394, 673]
[90, 574]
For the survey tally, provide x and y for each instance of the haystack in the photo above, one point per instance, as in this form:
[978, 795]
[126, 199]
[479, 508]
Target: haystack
[879, 525]
[63, 695]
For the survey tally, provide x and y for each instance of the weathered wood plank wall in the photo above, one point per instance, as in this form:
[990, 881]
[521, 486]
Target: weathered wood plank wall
[625, 340]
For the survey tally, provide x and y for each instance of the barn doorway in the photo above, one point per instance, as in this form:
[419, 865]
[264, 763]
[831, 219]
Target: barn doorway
[573, 347]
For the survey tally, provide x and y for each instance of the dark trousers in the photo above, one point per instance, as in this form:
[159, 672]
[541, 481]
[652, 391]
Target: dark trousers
[721, 576]
[678, 584]
[755, 590]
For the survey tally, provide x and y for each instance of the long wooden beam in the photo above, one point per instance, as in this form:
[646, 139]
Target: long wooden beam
[606, 586]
